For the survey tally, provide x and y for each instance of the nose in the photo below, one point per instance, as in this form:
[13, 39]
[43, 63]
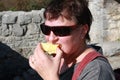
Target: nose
[52, 37]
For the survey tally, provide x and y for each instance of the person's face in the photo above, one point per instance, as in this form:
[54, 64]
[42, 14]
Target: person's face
[69, 44]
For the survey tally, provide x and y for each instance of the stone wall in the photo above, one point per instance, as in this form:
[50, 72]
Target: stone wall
[105, 29]
[106, 20]
[21, 30]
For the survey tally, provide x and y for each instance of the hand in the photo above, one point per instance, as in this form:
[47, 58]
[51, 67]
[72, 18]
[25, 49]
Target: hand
[46, 66]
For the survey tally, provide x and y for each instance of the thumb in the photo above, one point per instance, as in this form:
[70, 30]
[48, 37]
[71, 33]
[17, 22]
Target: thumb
[59, 53]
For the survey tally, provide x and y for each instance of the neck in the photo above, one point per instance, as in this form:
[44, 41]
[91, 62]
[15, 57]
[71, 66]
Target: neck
[74, 57]
[68, 60]
[78, 56]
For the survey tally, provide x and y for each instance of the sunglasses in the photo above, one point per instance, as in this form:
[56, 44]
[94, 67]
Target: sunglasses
[57, 30]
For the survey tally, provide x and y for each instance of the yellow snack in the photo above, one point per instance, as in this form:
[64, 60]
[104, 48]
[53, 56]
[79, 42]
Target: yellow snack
[49, 47]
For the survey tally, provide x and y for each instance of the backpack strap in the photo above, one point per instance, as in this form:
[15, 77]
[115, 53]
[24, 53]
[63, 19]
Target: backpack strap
[88, 58]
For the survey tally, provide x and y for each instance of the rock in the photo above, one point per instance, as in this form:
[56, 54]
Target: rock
[9, 18]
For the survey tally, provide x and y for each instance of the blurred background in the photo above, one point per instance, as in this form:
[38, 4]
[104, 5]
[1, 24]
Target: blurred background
[23, 5]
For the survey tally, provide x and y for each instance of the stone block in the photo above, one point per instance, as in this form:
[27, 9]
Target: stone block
[33, 29]
[36, 18]
[9, 18]
[24, 18]
[5, 30]
[17, 30]
[111, 48]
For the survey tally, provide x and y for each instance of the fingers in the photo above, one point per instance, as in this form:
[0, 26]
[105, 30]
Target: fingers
[39, 56]
[38, 49]
[32, 61]
[39, 52]
[59, 53]
[36, 57]
[58, 56]
[41, 62]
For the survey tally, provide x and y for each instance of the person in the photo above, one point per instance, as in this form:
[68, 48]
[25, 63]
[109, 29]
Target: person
[67, 22]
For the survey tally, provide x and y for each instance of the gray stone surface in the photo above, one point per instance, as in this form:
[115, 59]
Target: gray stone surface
[24, 18]
[111, 48]
[9, 18]
[17, 30]
[114, 61]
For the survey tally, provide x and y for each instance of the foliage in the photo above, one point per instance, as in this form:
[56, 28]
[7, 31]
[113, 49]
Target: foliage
[2, 7]
[118, 39]
[23, 5]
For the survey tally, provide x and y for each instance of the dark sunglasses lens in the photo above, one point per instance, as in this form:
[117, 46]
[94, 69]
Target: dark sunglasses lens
[58, 31]
[62, 31]
[45, 29]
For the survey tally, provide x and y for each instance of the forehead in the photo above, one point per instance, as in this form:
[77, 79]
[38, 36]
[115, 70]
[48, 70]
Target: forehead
[60, 21]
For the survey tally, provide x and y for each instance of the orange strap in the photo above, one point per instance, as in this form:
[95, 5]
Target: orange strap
[88, 58]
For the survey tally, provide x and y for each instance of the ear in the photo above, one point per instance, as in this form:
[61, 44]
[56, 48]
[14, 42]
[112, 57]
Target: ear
[84, 30]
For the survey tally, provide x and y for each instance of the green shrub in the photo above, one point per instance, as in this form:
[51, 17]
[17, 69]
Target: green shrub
[24, 5]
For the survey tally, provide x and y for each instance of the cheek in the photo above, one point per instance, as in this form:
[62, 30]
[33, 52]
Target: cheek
[73, 43]
[69, 45]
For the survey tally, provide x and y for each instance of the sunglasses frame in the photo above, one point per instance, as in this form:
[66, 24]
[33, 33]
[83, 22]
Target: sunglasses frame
[57, 30]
